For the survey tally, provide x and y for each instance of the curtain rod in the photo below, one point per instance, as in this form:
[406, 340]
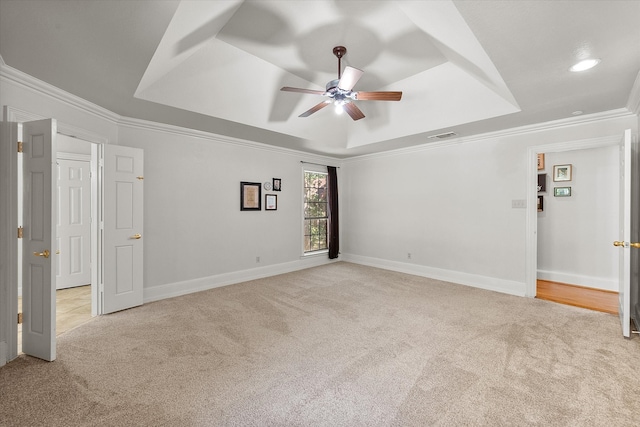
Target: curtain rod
[318, 164]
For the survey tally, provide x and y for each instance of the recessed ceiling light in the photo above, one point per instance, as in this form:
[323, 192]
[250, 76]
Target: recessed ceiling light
[584, 65]
[577, 113]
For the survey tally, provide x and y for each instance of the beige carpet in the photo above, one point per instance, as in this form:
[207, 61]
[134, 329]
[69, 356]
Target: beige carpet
[339, 345]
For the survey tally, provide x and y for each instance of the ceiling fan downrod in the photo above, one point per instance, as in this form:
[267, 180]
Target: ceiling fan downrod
[339, 52]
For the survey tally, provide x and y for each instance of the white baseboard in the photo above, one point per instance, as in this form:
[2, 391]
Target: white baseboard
[483, 282]
[576, 279]
[170, 290]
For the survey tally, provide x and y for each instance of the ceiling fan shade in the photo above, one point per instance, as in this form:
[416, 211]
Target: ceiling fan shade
[349, 78]
[341, 93]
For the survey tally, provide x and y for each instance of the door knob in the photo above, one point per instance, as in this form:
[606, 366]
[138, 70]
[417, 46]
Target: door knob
[624, 244]
[136, 236]
[44, 253]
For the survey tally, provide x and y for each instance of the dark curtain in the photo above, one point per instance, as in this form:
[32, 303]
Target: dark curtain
[334, 229]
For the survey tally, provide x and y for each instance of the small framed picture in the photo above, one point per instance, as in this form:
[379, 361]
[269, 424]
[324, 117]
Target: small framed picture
[270, 202]
[277, 184]
[250, 196]
[540, 203]
[542, 182]
[540, 161]
[561, 173]
[562, 191]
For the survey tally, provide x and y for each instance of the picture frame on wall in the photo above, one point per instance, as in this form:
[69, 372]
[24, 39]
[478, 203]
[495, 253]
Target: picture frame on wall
[562, 173]
[542, 182]
[277, 184]
[540, 161]
[540, 203]
[250, 196]
[270, 202]
[562, 192]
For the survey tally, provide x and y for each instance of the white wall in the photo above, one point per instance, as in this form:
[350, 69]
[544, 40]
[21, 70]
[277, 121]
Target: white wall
[450, 205]
[575, 233]
[195, 234]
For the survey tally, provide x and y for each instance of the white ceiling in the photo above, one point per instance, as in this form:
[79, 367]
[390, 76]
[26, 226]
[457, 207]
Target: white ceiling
[464, 66]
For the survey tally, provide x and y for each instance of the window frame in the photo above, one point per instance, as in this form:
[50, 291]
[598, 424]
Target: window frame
[310, 168]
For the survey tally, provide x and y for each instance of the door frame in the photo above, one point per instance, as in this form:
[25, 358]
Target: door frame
[11, 114]
[531, 250]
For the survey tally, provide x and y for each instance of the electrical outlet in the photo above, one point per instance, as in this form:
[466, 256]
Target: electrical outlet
[408, 255]
[257, 259]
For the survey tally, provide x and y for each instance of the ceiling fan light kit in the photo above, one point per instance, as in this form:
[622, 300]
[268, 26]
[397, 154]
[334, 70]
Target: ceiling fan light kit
[340, 91]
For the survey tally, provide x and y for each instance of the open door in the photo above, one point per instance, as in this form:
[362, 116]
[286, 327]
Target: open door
[39, 236]
[122, 174]
[624, 245]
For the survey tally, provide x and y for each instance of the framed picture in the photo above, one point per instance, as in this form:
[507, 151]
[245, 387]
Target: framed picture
[562, 191]
[270, 202]
[540, 161]
[540, 203]
[277, 184]
[542, 182]
[250, 196]
[561, 173]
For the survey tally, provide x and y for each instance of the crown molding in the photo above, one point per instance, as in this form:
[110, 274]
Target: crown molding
[223, 139]
[31, 83]
[633, 103]
[521, 130]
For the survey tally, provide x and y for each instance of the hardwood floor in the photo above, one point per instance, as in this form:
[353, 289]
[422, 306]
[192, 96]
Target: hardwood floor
[579, 296]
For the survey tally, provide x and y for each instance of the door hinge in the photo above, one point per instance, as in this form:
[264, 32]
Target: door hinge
[20, 146]
[20, 232]
[19, 318]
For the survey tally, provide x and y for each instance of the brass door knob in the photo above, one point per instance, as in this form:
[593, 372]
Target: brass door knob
[136, 236]
[624, 244]
[44, 253]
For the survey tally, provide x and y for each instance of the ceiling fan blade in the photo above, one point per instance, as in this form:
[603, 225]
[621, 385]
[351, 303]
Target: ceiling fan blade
[296, 89]
[349, 78]
[353, 111]
[378, 96]
[315, 108]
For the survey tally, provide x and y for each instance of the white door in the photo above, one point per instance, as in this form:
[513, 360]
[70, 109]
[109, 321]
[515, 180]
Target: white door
[39, 222]
[623, 245]
[73, 263]
[122, 173]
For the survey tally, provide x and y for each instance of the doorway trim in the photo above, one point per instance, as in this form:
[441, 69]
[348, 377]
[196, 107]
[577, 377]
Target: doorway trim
[531, 249]
[11, 114]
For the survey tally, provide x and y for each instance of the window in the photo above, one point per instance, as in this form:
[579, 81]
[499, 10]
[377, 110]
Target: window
[315, 211]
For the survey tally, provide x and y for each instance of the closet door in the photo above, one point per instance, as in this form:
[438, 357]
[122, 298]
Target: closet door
[122, 234]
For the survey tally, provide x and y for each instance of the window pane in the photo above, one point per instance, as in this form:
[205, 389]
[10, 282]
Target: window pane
[315, 211]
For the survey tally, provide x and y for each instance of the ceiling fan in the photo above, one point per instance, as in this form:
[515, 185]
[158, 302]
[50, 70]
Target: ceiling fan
[340, 94]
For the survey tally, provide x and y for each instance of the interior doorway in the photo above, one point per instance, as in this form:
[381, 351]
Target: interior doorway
[565, 244]
[73, 247]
